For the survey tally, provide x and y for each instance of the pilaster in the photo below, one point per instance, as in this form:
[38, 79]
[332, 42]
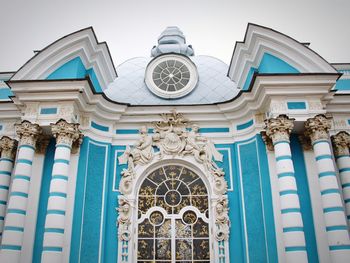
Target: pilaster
[333, 210]
[341, 143]
[67, 135]
[278, 132]
[11, 243]
[8, 148]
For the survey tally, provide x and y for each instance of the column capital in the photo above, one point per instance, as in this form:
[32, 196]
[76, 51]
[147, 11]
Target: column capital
[8, 147]
[317, 128]
[279, 128]
[66, 133]
[28, 132]
[341, 143]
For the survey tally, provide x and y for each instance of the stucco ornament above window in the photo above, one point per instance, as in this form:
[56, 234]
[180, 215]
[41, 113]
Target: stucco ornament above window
[173, 138]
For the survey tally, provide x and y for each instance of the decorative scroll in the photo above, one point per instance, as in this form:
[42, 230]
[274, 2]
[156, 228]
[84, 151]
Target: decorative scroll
[173, 195]
[172, 138]
[123, 220]
[222, 221]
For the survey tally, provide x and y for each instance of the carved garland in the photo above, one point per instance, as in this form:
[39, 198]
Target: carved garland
[172, 138]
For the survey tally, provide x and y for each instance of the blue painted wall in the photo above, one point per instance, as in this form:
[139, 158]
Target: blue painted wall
[43, 200]
[90, 202]
[304, 198]
[256, 199]
[269, 64]
[5, 93]
[95, 219]
[343, 84]
[74, 69]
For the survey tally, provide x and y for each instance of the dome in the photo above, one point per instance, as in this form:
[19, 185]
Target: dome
[213, 85]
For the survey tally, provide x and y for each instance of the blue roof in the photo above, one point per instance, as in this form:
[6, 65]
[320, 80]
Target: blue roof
[213, 85]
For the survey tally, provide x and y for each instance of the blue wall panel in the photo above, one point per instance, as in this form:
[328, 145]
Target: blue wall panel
[304, 197]
[75, 69]
[43, 200]
[257, 201]
[89, 202]
[95, 219]
[269, 64]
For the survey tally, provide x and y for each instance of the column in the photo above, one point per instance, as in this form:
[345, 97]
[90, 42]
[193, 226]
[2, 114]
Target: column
[11, 244]
[333, 210]
[341, 143]
[66, 134]
[8, 148]
[278, 130]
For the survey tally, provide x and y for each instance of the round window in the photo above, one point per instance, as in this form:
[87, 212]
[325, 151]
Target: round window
[171, 76]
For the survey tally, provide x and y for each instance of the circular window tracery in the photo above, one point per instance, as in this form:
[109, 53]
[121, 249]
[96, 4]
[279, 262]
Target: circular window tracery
[171, 76]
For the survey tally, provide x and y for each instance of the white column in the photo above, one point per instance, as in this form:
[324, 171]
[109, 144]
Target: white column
[341, 143]
[11, 244]
[278, 130]
[8, 148]
[66, 134]
[334, 213]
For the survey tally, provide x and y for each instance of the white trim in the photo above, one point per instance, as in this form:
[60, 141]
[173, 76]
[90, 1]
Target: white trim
[168, 94]
[32, 209]
[317, 208]
[228, 149]
[83, 206]
[276, 207]
[70, 202]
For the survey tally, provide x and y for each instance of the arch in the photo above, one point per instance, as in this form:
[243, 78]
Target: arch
[83, 44]
[187, 161]
[173, 215]
[260, 40]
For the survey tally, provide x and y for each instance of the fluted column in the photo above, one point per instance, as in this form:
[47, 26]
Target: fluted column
[8, 148]
[11, 244]
[66, 135]
[336, 226]
[278, 130]
[341, 143]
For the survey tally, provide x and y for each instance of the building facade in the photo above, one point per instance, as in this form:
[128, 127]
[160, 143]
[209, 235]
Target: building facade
[175, 157]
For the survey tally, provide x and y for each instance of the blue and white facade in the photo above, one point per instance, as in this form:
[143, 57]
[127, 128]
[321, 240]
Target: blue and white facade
[175, 157]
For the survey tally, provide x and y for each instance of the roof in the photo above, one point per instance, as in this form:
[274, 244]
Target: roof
[213, 85]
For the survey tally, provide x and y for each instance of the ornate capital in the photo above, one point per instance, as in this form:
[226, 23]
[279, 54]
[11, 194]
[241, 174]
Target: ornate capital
[317, 128]
[28, 132]
[341, 143]
[66, 133]
[8, 147]
[279, 129]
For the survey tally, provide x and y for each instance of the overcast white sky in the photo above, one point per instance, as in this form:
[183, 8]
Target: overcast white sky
[131, 27]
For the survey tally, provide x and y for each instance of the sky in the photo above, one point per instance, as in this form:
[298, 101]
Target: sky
[131, 27]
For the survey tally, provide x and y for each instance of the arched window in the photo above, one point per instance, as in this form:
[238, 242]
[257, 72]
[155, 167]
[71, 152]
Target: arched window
[173, 217]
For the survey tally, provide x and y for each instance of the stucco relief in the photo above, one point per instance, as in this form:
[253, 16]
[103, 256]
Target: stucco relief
[172, 137]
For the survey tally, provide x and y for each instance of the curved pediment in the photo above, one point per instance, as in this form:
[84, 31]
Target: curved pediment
[77, 51]
[284, 54]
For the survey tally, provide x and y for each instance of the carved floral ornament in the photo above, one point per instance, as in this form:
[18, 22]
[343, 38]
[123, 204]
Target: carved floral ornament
[8, 147]
[67, 133]
[341, 143]
[317, 128]
[277, 129]
[173, 138]
[28, 132]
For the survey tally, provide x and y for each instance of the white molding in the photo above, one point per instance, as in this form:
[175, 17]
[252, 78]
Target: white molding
[73, 173]
[32, 209]
[259, 40]
[82, 43]
[317, 208]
